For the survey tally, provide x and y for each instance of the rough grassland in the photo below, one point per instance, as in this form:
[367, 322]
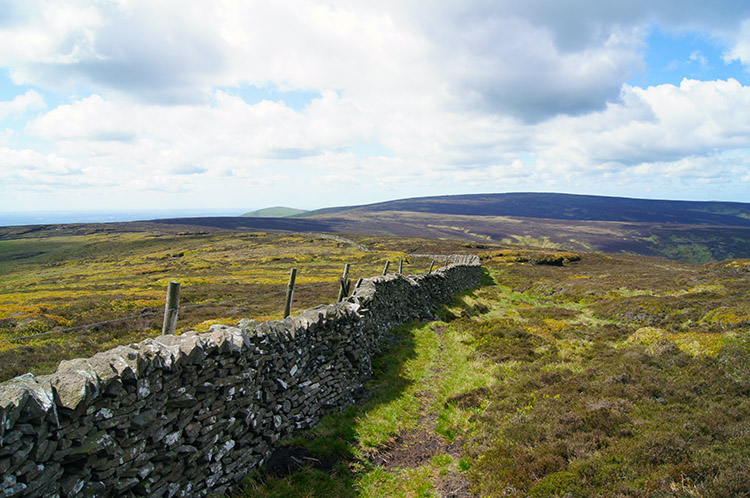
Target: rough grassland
[563, 375]
[61, 277]
[609, 376]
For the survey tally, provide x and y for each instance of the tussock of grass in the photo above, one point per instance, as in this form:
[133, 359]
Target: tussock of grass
[647, 399]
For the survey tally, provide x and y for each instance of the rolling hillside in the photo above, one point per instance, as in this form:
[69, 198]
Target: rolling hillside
[681, 230]
[564, 207]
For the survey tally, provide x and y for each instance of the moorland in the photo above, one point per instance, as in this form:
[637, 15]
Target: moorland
[60, 277]
[610, 375]
[687, 231]
[566, 373]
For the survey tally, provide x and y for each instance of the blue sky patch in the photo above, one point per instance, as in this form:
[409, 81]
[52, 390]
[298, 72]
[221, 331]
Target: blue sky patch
[370, 149]
[670, 57]
[9, 90]
[295, 99]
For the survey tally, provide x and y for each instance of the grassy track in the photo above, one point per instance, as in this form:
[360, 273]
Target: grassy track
[612, 376]
[402, 439]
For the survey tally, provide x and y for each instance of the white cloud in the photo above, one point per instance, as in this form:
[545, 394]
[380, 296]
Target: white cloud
[20, 105]
[665, 131]
[696, 56]
[158, 49]
[168, 51]
[740, 48]
[492, 95]
[229, 135]
[507, 64]
[537, 59]
[47, 32]
[91, 118]
[531, 59]
[32, 170]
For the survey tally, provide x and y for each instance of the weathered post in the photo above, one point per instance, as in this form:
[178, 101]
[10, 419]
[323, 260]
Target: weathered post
[171, 308]
[344, 290]
[290, 292]
[432, 265]
[387, 264]
[401, 266]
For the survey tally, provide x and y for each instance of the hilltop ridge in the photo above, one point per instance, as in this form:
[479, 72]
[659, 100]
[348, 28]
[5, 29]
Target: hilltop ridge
[683, 230]
[559, 206]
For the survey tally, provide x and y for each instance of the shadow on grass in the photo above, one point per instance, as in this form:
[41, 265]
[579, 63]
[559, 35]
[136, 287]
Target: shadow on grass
[326, 461]
[486, 279]
[321, 462]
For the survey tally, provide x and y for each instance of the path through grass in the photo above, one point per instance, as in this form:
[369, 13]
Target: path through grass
[404, 438]
[610, 376]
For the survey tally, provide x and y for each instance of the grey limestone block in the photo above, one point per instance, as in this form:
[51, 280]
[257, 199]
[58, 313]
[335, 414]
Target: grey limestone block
[74, 389]
[14, 394]
[123, 360]
[228, 339]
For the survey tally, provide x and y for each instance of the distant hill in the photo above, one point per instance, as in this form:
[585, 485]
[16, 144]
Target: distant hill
[275, 212]
[682, 230]
[563, 207]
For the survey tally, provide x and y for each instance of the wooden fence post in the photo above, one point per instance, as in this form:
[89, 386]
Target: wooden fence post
[344, 290]
[290, 292]
[171, 308]
[432, 265]
[401, 266]
[387, 264]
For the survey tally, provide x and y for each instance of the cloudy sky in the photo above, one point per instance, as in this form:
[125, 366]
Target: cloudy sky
[242, 104]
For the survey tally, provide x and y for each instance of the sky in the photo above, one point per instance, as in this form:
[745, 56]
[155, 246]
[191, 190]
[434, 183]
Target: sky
[241, 104]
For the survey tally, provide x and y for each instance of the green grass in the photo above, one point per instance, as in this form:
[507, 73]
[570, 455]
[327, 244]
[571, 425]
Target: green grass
[610, 376]
[413, 399]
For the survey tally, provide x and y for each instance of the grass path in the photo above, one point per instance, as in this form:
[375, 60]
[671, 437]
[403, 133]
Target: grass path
[404, 439]
[607, 377]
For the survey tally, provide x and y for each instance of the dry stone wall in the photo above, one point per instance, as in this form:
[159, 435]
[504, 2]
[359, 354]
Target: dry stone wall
[190, 415]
